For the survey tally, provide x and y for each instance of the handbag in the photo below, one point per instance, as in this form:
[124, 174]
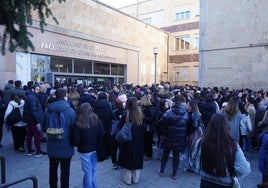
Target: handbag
[14, 117]
[124, 135]
[236, 183]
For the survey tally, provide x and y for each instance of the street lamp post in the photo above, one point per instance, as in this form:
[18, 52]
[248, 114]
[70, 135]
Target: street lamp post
[155, 51]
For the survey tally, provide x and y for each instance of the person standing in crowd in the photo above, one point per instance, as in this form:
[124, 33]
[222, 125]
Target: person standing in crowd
[195, 130]
[250, 100]
[3, 106]
[149, 113]
[175, 122]
[73, 97]
[8, 90]
[104, 111]
[18, 90]
[263, 156]
[60, 151]
[207, 106]
[131, 153]
[217, 156]
[33, 115]
[87, 130]
[18, 130]
[234, 117]
[117, 115]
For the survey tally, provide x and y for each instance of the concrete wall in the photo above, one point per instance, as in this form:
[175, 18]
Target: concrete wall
[233, 43]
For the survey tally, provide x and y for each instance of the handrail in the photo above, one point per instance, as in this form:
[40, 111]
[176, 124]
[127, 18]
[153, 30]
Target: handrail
[3, 169]
[33, 178]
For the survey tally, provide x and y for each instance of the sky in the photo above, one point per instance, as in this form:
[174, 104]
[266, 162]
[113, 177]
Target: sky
[120, 3]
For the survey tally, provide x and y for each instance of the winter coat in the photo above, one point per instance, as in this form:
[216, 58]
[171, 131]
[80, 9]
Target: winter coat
[263, 154]
[86, 138]
[207, 109]
[11, 105]
[131, 153]
[60, 148]
[149, 117]
[32, 112]
[87, 98]
[104, 111]
[175, 122]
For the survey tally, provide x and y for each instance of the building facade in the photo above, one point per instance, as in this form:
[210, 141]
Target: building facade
[234, 44]
[92, 43]
[180, 18]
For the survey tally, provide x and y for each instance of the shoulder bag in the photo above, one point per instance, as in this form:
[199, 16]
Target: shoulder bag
[124, 135]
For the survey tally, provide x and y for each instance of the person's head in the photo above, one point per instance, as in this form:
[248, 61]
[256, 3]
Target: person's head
[102, 95]
[61, 93]
[16, 97]
[232, 106]
[133, 108]
[178, 99]
[163, 104]
[43, 88]
[85, 116]
[218, 147]
[194, 106]
[35, 88]
[18, 84]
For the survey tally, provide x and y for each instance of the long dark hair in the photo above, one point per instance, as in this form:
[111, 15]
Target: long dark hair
[134, 111]
[218, 147]
[85, 117]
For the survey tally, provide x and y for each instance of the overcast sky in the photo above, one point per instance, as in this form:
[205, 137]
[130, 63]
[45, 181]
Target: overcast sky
[120, 3]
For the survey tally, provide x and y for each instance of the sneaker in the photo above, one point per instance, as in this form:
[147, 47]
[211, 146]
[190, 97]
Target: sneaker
[189, 171]
[43, 153]
[160, 174]
[115, 166]
[38, 155]
[30, 153]
[173, 177]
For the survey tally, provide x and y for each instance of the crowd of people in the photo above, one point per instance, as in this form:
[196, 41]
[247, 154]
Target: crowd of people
[213, 127]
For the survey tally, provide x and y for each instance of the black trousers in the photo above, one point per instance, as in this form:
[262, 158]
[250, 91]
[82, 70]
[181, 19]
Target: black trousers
[65, 171]
[18, 135]
[148, 144]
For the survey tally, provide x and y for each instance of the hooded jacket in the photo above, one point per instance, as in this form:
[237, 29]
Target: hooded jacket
[175, 123]
[60, 148]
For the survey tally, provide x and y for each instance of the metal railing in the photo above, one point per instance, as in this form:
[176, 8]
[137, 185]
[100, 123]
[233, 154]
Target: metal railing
[3, 177]
[33, 178]
[3, 169]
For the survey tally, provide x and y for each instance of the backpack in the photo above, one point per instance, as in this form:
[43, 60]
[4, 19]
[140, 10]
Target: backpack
[55, 126]
[14, 117]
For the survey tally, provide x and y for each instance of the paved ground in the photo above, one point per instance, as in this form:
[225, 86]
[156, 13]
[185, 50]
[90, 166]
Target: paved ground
[20, 165]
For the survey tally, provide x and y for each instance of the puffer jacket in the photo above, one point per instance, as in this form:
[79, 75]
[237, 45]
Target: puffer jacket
[175, 123]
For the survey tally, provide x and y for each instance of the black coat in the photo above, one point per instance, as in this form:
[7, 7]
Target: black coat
[207, 109]
[175, 123]
[131, 153]
[103, 109]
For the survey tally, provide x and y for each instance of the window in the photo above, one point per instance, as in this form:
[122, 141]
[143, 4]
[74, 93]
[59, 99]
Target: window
[117, 69]
[82, 66]
[102, 68]
[39, 63]
[196, 42]
[182, 15]
[182, 43]
[61, 65]
[147, 20]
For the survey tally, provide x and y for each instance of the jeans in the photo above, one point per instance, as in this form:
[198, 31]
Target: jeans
[175, 162]
[247, 144]
[114, 148]
[89, 164]
[207, 184]
[33, 132]
[65, 171]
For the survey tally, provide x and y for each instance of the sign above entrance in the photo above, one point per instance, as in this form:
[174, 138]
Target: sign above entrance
[66, 46]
